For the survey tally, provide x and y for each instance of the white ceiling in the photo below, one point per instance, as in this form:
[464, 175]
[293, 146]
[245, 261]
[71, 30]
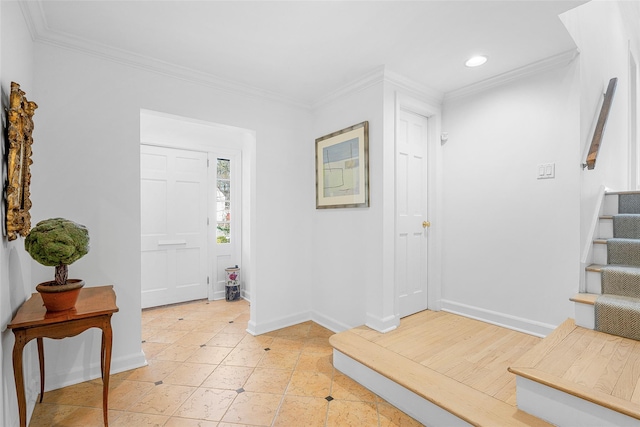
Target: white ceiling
[303, 50]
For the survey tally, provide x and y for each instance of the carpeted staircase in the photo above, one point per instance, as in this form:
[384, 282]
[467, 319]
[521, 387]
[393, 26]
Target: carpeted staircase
[617, 309]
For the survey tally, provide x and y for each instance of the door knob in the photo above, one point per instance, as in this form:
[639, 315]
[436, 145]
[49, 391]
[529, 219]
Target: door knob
[426, 224]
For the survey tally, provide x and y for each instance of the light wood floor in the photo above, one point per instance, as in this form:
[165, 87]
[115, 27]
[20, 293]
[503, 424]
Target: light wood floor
[474, 353]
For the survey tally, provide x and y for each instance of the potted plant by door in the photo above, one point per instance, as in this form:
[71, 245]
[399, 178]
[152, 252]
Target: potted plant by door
[58, 242]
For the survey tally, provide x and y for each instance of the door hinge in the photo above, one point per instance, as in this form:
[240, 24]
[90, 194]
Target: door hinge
[207, 162]
[207, 280]
[207, 220]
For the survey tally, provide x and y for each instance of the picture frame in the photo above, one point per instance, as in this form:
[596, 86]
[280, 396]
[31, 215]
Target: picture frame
[19, 133]
[342, 168]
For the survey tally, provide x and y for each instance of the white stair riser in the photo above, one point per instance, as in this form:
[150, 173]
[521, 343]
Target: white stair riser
[605, 228]
[564, 409]
[585, 315]
[610, 205]
[599, 253]
[594, 282]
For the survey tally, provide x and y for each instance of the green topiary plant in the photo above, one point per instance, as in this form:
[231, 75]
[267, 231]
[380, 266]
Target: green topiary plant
[57, 242]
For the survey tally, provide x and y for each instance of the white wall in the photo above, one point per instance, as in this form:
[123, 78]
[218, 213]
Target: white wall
[599, 32]
[16, 64]
[86, 168]
[347, 242]
[510, 241]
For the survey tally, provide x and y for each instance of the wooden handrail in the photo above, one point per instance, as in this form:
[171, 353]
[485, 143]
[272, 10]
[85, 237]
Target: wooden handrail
[602, 122]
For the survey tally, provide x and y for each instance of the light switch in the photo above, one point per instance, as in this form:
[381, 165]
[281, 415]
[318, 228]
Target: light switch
[547, 171]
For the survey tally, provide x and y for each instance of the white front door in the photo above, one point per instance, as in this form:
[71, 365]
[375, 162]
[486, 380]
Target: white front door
[411, 208]
[174, 204]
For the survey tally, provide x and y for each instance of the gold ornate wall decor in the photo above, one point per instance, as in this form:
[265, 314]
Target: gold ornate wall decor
[20, 129]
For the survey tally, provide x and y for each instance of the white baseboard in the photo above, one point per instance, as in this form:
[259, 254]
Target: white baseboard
[85, 373]
[565, 410]
[405, 400]
[519, 324]
[329, 323]
[383, 325]
[262, 328]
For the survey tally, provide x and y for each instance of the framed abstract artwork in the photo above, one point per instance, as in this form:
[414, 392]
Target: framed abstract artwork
[342, 168]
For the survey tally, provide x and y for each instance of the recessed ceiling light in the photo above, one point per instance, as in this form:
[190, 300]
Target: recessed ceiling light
[476, 61]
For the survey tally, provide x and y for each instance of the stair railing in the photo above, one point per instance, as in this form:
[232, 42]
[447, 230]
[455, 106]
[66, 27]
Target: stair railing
[600, 126]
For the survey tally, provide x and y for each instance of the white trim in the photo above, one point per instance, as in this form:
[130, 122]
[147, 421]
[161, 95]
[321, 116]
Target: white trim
[537, 67]
[328, 322]
[633, 121]
[427, 96]
[434, 190]
[282, 322]
[587, 250]
[515, 323]
[369, 79]
[41, 33]
[563, 409]
[403, 399]
[378, 75]
[383, 324]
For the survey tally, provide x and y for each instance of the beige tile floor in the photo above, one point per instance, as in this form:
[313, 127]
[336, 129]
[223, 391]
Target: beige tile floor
[205, 370]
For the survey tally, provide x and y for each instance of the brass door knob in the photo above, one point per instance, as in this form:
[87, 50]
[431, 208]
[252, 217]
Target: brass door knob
[426, 224]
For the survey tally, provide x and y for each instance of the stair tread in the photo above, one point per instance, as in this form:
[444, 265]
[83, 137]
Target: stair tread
[603, 241]
[613, 193]
[585, 298]
[597, 268]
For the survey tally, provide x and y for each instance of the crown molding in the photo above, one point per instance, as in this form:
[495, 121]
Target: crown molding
[33, 17]
[378, 75]
[41, 33]
[369, 79]
[537, 67]
[424, 93]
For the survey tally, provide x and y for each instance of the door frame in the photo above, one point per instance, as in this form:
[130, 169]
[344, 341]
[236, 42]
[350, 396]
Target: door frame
[434, 194]
[172, 131]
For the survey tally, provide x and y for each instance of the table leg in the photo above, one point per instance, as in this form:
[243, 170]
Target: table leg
[107, 338]
[18, 374]
[102, 357]
[41, 362]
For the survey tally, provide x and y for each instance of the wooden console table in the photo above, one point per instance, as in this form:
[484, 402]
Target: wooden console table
[94, 309]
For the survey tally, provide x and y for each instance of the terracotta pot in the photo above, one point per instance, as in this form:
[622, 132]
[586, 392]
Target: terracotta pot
[60, 297]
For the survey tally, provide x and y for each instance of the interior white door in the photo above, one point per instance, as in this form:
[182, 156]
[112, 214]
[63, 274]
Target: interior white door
[173, 193]
[411, 208]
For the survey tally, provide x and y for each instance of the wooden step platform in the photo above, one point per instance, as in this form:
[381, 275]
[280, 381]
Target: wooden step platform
[455, 363]
[468, 368]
